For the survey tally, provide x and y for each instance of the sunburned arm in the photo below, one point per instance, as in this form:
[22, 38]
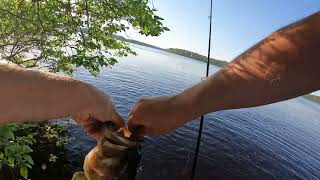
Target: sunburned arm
[29, 95]
[282, 66]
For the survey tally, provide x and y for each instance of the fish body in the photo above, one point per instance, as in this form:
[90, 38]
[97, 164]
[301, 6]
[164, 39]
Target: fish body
[109, 159]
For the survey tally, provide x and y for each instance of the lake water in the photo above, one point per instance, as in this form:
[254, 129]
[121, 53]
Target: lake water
[278, 141]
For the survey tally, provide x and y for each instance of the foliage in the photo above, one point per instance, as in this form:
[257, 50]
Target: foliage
[17, 141]
[137, 42]
[312, 97]
[62, 35]
[53, 158]
[53, 134]
[14, 150]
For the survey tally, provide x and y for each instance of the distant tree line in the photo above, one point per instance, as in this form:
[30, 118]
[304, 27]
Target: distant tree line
[197, 56]
[136, 42]
[177, 51]
[312, 97]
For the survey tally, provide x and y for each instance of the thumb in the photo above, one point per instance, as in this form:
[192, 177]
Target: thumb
[137, 130]
[117, 119]
[110, 114]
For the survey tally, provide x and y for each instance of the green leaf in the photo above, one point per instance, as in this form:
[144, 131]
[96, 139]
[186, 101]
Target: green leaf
[53, 158]
[112, 61]
[28, 165]
[26, 149]
[158, 18]
[1, 155]
[6, 132]
[11, 161]
[145, 29]
[135, 24]
[24, 172]
[28, 159]
[166, 29]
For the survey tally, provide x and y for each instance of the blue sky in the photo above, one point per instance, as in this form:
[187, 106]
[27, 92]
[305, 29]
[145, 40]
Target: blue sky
[237, 24]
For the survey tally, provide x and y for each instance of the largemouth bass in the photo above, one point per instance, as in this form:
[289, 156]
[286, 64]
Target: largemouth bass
[110, 159]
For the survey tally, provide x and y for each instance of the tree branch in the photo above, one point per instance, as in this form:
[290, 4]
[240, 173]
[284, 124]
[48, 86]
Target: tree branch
[15, 15]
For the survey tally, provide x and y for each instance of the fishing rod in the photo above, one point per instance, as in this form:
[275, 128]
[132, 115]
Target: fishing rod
[196, 153]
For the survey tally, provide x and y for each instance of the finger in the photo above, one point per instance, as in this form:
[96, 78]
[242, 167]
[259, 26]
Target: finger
[124, 131]
[94, 127]
[131, 123]
[137, 106]
[110, 114]
[135, 126]
[137, 130]
[81, 118]
[118, 119]
[127, 134]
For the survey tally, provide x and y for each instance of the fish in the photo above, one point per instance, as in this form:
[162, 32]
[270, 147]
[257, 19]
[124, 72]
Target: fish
[109, 159]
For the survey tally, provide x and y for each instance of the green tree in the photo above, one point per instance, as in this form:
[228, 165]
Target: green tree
[62, 35]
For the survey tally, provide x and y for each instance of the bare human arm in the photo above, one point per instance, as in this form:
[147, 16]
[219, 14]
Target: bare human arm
[29, 95]
[282, 66]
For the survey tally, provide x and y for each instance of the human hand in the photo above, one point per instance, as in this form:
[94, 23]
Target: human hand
[98, 110]
[156, 116]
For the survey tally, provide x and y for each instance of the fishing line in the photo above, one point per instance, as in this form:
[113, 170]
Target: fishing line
[196, 153]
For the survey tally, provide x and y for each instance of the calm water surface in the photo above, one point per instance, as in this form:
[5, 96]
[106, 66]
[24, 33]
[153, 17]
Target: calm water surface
[279, 141]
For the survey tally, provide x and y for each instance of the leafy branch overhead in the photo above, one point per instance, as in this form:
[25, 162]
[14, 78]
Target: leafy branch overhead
[64, 34]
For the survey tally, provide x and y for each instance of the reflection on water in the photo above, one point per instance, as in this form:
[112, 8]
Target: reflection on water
[279, 141]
